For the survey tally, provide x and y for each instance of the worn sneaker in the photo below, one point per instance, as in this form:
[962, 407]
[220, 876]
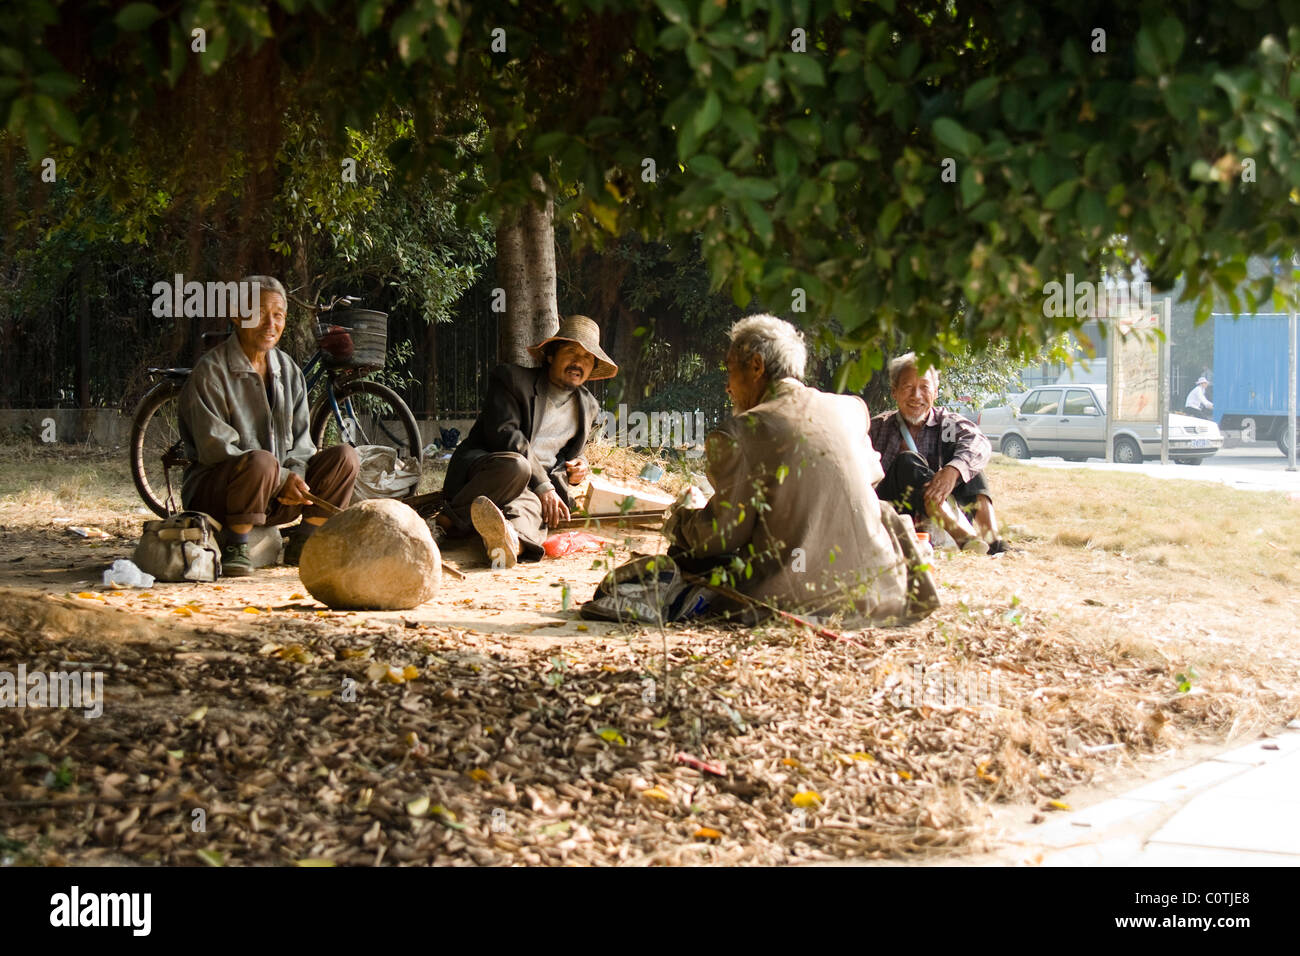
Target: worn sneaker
[499, 538]
[235, 562]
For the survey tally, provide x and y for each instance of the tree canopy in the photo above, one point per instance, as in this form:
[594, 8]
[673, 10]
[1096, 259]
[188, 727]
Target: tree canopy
[921, 169]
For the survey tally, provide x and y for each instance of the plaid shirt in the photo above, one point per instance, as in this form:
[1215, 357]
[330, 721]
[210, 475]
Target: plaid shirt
[970, 457]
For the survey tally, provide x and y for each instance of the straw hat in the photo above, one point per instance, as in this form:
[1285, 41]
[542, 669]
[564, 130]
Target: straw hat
[584, 331]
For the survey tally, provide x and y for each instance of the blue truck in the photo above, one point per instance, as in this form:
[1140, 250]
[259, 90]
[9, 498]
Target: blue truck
[1250, 376]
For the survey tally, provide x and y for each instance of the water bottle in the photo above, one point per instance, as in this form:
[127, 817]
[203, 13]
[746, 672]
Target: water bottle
[923, 547]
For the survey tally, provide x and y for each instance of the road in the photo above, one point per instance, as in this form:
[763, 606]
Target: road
[1257, 466]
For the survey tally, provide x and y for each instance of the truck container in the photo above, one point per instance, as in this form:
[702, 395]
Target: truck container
[1250, 376]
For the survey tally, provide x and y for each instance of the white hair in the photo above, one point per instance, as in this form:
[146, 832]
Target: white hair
[901, 364]
[267, 284]
[777, 341]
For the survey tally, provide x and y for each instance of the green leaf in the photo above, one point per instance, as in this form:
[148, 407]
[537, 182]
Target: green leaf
[707, 116]
[1148, 54]
[59, 118]
[971, 188]
[841, 171]
[1091, 210]
[949, 132]
[1061, 194]
[889, 218]
[785, 159]
[674, 11]
[1172, 36]
[980, 92]
[136, 16]
[804, 68]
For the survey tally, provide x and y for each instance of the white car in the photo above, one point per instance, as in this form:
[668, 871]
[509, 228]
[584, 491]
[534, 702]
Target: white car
[1070, 421]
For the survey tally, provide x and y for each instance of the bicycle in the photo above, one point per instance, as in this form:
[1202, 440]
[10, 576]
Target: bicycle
[350, 345]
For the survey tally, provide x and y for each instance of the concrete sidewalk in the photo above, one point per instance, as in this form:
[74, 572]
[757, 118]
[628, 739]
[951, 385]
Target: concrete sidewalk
[1241, 808]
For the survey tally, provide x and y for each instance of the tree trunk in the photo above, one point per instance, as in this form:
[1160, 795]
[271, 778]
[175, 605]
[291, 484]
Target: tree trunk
[526, 271]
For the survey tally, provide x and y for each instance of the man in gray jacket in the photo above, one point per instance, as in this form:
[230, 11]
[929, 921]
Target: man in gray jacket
[244, 421]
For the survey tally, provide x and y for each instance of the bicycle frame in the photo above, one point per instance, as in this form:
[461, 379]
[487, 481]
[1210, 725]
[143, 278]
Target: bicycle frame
[313, 372]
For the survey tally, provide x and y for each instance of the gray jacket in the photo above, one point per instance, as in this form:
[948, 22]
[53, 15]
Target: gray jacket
[224, 413]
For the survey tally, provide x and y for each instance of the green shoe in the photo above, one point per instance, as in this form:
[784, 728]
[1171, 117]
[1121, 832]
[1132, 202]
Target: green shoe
[235, 562]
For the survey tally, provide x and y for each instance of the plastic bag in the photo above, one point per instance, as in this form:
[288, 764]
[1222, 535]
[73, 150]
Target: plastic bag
[124, 574]
[571, 542]
[383, 475]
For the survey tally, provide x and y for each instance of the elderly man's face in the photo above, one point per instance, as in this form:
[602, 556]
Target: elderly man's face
[265, 335]
[746, 380]
[570, 365]
[915, 394]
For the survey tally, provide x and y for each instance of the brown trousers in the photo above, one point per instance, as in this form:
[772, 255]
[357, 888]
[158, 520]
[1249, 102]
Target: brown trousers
[242, 490]
[502, 476]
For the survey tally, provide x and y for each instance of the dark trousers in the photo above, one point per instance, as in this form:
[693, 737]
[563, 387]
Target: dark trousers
[242, 490]
[904, 486]
[503, 477]
[1198, 413]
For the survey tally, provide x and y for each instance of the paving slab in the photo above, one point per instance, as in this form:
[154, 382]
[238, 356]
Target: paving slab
[1235, 823]
[1173, 854]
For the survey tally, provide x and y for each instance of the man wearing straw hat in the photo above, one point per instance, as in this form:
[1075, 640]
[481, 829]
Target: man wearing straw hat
[509, 479]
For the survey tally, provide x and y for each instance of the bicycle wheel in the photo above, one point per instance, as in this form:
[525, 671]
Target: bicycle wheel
[158, 458]
[374, 414]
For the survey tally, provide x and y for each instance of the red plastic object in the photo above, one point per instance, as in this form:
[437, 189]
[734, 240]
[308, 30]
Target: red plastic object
[571, 542]
[336, 342]
[717, 769]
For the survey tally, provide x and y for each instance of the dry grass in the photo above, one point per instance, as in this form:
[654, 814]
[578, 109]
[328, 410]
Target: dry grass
[37, 480]
[1234, 538]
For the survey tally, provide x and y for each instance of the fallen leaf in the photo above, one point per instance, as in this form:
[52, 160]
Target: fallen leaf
[612, 735]
[211, 857]
[806, 798]
[251, 610]
[707, 833]
[479, 774]
[418, 807]
[1057, 804]
[197, 714]
[315, 861]
[656, 793]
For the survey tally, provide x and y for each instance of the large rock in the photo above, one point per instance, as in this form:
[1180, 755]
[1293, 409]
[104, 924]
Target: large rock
[377, 555]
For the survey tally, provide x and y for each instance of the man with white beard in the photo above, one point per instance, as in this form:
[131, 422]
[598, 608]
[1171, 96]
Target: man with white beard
[929, 454]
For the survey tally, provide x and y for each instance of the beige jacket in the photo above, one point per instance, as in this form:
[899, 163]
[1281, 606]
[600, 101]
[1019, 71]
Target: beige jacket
[224, 413]
[793, 496]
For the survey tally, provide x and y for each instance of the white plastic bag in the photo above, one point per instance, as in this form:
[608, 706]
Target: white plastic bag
[124, 574]
[383, 475]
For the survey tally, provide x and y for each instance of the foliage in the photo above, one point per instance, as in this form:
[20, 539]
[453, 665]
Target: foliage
[816, 169]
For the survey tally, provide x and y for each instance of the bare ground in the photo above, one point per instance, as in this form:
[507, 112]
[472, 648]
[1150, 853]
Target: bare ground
[491, 726]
